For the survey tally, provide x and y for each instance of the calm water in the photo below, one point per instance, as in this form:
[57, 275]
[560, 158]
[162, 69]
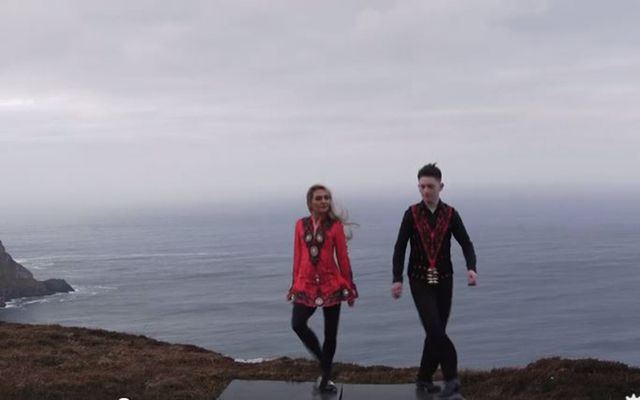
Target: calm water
[556, 278]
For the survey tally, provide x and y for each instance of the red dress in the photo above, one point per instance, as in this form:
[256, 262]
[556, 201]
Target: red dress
[317, 280]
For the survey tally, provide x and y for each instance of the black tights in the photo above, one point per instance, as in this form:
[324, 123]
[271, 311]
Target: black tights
[434, 305]
[301, 315]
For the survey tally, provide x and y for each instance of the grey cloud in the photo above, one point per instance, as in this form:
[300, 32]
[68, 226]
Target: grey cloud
[213, 91]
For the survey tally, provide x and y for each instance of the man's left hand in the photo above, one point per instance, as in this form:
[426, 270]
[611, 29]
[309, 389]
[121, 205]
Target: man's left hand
[472, 278]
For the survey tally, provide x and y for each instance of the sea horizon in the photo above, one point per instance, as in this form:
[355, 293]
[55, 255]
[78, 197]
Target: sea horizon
[557, 277]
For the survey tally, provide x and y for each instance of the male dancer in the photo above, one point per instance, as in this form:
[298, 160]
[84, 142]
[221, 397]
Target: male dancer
[429, 226]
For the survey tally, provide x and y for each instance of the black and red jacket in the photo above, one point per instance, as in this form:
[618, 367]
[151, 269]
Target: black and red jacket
[443, 223]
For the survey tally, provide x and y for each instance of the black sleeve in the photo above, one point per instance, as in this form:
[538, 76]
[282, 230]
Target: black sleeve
[461, 235]
[400, 249]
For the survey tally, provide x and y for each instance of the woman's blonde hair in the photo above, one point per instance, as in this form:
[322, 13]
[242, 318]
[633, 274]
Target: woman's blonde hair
[336, 213]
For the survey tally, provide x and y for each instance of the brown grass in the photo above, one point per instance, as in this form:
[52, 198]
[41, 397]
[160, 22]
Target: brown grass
[52, 362]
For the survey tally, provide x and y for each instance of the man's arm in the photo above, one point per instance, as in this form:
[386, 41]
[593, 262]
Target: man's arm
[400, 248]
[461, 235]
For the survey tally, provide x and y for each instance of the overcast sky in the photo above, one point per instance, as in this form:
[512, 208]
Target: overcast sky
[181, 102]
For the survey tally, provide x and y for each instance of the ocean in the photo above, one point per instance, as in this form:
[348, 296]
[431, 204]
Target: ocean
[557, 277]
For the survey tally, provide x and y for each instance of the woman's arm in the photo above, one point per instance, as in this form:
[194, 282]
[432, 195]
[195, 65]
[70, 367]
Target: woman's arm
[296, 257]
[343, 260]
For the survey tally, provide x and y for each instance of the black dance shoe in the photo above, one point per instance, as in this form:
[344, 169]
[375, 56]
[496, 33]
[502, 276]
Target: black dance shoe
[325, 386]
[427, 386]
[451, 389]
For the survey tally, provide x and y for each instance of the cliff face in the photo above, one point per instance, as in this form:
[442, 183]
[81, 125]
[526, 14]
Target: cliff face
[16, 281]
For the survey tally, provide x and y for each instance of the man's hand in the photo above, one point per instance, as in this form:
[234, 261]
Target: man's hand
[472, 278]
[351, 302]
[396, 290]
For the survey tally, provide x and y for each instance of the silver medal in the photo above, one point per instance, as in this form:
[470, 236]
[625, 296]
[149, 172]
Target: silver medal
[319, 301]
[319, 237]
[308, 237]
[314, 251]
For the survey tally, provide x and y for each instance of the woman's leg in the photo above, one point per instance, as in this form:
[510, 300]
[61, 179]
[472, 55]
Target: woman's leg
[331, 318]
[299, 318]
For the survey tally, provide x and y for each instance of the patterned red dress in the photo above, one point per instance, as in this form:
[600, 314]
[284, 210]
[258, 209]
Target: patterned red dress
[317, 280]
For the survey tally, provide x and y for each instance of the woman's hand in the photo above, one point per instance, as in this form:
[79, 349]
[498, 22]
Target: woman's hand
[396, 290]
[351, 302]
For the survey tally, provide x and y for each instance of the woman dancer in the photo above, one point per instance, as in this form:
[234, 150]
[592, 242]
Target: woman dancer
[318, 281]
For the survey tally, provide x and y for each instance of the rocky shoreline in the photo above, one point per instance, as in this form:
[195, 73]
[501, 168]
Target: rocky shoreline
[55, 362]
[16, 281]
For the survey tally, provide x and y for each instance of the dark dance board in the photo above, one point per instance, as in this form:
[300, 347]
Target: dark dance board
[279, 390]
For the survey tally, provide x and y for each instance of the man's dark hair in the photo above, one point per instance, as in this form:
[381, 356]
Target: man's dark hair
[430, 170]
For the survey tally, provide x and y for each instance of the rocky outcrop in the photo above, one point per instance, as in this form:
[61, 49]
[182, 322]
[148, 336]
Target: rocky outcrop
[16, 281]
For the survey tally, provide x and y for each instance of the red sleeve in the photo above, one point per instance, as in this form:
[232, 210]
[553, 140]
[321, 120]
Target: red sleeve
[343, 259]
[296, 254]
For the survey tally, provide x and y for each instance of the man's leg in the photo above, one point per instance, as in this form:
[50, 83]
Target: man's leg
[299, 318]
[424, 299]
[444, 293]
[449, 362]
[438, 347]
[444, 299]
